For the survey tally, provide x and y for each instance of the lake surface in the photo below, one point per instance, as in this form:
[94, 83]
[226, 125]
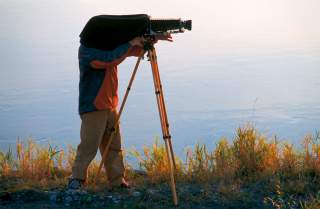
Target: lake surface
[236, 67]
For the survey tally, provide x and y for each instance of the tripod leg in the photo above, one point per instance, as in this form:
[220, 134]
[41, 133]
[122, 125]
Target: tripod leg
[164, 109]
[106, 151]
[173, 184]
[163, 120]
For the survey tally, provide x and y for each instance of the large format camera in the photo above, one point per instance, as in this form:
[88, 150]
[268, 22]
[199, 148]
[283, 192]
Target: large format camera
[106, 32]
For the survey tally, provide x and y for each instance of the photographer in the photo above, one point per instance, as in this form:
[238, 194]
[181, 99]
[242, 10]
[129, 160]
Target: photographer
[98, 100]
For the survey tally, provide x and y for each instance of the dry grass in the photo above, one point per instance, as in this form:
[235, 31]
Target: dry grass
[249, 157]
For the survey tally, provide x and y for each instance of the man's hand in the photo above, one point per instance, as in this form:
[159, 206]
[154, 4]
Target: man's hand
[137, 41]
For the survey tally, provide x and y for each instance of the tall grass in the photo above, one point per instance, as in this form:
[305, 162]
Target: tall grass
[249, 156]
[34, 162]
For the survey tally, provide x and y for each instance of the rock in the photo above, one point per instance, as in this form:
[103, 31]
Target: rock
[68, 199]
[136, 194]
[74, 192]
[83, 192]
[115, 200]
[69, 191]
[76, 197]
[53, 196]
[89, 199]
[152, 191]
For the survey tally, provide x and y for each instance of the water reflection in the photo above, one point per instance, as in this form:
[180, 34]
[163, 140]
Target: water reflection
[213, 80]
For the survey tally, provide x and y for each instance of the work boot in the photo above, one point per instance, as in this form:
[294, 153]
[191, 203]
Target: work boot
[75, 184]
[123, 184]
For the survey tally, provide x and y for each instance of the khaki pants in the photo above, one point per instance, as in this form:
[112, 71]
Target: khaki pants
[95, 129]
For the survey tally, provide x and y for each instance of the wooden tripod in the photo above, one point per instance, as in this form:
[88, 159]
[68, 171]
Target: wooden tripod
[162, 113]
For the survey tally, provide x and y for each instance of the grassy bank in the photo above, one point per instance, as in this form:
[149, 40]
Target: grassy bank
[249, 171]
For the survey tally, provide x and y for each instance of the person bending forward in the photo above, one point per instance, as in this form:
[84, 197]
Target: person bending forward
[98, 100]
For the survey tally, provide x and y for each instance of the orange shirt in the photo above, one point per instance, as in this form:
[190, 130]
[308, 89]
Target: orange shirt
[107, 97]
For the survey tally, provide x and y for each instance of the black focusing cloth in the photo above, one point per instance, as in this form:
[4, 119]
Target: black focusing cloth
[106, 32]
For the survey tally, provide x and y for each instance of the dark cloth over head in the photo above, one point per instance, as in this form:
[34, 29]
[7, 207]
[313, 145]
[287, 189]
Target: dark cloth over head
[106, 32]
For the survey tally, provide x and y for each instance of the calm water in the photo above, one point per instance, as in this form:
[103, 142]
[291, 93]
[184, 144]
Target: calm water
[237, 66]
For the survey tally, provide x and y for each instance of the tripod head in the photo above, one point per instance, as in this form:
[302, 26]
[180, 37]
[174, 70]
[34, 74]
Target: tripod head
[149, 44]
[150, 40]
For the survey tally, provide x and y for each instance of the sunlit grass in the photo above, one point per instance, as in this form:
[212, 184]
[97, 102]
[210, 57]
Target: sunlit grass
[249, 157]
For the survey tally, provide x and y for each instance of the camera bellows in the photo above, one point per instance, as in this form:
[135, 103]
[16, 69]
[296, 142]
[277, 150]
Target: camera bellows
[164, 25]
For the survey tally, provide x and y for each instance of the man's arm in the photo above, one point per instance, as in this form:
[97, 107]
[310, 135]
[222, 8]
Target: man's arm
[110, 58]
[132, 51]
[100, 59]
